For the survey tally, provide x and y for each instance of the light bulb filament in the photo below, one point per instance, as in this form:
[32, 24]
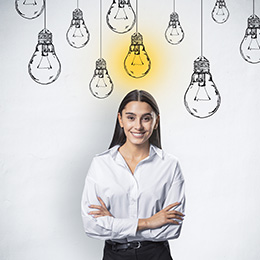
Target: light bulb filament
[77, 32]
[137, 61]
[44, 63]
[254, 44]
[101, 83]
[121, 14]
[220, 11]
[29, 2]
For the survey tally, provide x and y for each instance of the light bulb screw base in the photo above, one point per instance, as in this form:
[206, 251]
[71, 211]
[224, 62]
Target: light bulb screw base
[77, 14]
[45, 37]
[221, 3]
[101, 66]
[121, 3]
[253, 22]
[137, 39]
[174, 17]
[201, 65]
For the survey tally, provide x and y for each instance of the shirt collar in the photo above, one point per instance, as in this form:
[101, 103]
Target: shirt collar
[153, 150]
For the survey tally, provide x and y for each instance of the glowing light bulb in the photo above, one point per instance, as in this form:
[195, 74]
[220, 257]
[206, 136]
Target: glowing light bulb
[101, 85]
[250, 45]
[121, 16]
[77, 34]
[29, 9]
[202, 98]
[137, 63]
[44, 66]
[220, 12]
[174, 34]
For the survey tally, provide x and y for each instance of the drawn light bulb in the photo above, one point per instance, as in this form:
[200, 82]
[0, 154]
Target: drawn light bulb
[220, 12]
[44, 66]
[202, 98]
[101, 85]
[250, 45]
[29, 9]
[77, 34]
[137, 62]
[121, 16]
[174, 34]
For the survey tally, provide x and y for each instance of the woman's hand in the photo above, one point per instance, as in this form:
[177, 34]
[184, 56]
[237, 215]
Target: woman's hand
[101, 210]
[163, 217]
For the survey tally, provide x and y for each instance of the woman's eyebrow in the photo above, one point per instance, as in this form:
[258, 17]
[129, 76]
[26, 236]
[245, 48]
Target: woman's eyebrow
[131, 113]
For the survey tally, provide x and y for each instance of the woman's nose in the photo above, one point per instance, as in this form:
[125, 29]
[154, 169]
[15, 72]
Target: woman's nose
[138, 124]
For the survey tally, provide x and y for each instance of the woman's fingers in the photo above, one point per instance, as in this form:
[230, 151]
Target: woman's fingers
[102, 202]
[175, 212]
[172, 205]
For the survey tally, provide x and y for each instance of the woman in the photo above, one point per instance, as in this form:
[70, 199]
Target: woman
[134, 192]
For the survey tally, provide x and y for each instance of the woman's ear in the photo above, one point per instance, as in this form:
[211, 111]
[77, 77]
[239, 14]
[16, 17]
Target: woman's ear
[120, 120]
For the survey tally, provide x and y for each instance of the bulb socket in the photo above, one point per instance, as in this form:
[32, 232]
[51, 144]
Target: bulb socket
[77, 14]
[174, 17]
[221, 3]
[45, 37]
[253, 22]
[137, 39]
[101, 64]
[201, 65]
[121, 3]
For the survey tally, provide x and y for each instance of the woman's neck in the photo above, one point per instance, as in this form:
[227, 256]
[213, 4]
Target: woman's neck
[135, 152]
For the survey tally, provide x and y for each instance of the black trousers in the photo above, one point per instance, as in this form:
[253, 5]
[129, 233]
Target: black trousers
[153, 251]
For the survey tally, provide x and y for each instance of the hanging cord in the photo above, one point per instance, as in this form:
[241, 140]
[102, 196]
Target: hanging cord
[201, 28]
[77, 4]
[174, 6]
[136, 16]
[254, 7]
[44, 18]
[100, 30]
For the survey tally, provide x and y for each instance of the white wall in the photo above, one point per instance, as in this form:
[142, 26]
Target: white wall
[49, 134]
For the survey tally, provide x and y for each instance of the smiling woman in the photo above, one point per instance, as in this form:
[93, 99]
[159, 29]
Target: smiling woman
[134, 192]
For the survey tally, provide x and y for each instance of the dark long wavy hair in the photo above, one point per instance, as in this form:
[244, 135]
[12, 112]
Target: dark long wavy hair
[143, 96]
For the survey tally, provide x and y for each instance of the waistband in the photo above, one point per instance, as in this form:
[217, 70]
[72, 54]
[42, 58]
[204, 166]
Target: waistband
[131, 245]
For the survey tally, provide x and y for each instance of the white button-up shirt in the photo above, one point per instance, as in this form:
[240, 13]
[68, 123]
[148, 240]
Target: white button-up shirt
[156, 183]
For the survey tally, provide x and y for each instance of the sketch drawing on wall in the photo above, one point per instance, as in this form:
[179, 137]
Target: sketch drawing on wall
[77, 34]
[220, 13]
[101, 85]
[202, 98]
[174, 33]
[250, 45]
[44, 66]
[137, 62]
[121, 16]
[29, 9]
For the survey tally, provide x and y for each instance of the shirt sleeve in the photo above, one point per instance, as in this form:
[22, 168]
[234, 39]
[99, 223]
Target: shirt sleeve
[105, 227]
[175, 194]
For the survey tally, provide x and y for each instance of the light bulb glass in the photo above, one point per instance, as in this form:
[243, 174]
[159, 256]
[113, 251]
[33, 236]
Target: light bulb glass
[101, 85]
[202, 98]
[137, 62]
[174, 34]
[121, 16]
[44, 66]
[250, 45]
[220, 13]
[77, 34]
[29, 9]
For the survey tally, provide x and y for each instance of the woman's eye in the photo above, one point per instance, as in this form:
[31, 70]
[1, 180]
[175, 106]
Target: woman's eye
[130, 118]
[147, 118]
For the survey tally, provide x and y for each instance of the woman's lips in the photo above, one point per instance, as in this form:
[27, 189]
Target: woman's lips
[138, 135]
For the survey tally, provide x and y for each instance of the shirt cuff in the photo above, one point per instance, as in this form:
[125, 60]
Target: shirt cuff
[123, 228]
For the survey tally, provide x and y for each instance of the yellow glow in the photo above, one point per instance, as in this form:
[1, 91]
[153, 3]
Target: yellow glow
[157, 55]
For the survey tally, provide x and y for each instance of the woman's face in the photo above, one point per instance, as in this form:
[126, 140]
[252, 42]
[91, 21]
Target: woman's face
[138, 120]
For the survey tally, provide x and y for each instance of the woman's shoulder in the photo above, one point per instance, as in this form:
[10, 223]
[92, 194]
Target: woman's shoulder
[165, 155]
[107, 153]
